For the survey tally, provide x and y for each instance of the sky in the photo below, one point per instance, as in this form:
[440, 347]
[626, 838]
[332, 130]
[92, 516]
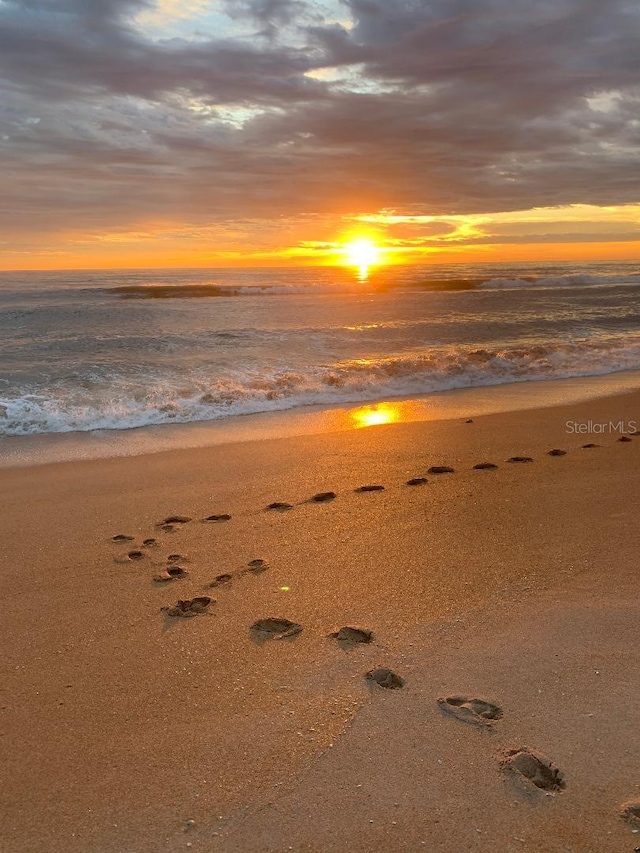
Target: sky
[192, 133]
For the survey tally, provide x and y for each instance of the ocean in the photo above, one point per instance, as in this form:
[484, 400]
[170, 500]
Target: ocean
[116, 350]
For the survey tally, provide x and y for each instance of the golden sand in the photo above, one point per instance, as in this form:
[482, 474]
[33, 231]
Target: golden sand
[509, 594]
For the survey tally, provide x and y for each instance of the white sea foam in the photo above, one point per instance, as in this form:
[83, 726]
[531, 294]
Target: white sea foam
[152, 399]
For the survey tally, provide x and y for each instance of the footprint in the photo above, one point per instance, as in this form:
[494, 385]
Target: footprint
[149, 543]
[471, 710]
[136, 555]
[280, 505]
[323, 497]
[624, 438]
[417, 481]
[178, 558]
[167, 528]
[385, 678]
[175, 519]
[189, 607]
[276, 629]
[171, 573]
[589, 446]
[484, 466]
[122, 537]
[556, 452]
[630, 811]
[349, 636]
[220, 580]
[176, 572]
[369, 489]
[534, 767]
[469, 421]
[520, 459]
[440, 469]
[257, 566]
[224, 516]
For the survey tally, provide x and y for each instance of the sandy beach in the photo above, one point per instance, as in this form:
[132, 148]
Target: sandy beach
[126, 729]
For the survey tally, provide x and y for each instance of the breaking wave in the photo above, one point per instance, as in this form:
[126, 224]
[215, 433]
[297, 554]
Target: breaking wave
[152, 399]
[381, 281]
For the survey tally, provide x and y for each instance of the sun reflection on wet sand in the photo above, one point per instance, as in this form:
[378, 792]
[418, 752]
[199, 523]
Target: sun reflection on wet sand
[375, 415]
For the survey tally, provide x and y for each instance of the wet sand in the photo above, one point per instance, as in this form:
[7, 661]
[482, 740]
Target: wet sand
[234, 721]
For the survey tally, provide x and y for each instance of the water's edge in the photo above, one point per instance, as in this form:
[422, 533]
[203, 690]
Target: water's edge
[25, 451]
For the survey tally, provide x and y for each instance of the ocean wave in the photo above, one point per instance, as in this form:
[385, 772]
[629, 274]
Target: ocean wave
[380, 281]
[124, 403]
[209, 290]
[558, 281]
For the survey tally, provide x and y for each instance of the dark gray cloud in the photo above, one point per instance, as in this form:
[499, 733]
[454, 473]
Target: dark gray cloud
[446, 106]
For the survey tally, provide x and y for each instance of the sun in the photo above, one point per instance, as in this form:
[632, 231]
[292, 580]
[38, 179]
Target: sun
[362, 253]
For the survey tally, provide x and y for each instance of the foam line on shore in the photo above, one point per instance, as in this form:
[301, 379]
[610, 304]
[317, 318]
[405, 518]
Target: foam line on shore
[451, 405]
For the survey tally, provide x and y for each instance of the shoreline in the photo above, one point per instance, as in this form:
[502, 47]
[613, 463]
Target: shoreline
[26, 451]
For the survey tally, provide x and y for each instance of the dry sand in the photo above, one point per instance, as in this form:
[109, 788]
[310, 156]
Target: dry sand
[124, 730]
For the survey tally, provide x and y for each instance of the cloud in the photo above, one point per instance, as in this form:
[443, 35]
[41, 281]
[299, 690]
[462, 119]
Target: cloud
[451, 107]
[71, 50]
[268, 12]
[170, 11]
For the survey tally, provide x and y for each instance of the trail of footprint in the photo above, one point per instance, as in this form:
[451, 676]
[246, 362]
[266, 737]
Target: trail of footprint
[258, 565]
[469, 710]
[535, 768]
[169, 524]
